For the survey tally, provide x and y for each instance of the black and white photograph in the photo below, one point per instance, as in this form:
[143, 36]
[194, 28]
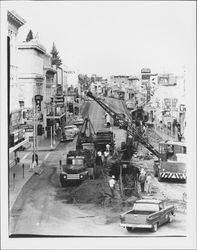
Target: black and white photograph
[98, 124]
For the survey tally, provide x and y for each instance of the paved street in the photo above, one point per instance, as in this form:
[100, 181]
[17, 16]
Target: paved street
[42, 209]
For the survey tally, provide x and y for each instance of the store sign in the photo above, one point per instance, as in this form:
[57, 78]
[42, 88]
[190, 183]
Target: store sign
[170, 103]
[15, 118]
[145, 77]
[163, 80]
[29, 128]
[29, 114]
[145, 70]
[182, 108]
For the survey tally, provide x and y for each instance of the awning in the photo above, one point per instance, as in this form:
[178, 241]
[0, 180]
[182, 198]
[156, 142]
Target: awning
[12, 149]
[55, 117]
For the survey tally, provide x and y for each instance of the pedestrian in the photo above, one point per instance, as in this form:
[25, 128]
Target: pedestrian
[112, 183]
[36, 159]
[142, 179]
[149, 183]
[107, 147]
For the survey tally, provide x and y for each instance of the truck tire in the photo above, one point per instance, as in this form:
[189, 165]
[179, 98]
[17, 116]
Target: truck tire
[63, 184]
[155, 227]
[130, 229]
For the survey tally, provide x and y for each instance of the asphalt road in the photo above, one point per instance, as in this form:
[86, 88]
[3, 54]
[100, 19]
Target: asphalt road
[41, 207]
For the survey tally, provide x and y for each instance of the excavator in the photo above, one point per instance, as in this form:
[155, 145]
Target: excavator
[86, 134]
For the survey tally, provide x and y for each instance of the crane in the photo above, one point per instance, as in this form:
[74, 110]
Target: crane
[86, 134]
[130, 126]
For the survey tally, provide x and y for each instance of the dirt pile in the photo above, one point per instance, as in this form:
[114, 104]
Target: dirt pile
[91, 191]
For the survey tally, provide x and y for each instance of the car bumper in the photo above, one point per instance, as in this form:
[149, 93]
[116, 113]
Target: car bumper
[136, 225]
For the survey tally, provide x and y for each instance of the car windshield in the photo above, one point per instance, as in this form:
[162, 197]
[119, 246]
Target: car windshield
[75, 161]
[146, 207]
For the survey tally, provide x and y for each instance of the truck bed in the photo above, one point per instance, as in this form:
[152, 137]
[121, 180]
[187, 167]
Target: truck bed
[137, 217]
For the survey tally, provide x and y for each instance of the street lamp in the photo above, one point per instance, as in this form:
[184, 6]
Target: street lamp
[53, 108]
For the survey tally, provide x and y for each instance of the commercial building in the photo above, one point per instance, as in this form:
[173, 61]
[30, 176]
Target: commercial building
[169, 104]
[14, 23]
[16, 135]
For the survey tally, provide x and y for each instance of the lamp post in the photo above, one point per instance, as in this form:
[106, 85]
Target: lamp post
[53, 107]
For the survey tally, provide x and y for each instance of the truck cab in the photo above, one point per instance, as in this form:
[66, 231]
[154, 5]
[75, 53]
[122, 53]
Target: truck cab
[172, 163]
[74, 171]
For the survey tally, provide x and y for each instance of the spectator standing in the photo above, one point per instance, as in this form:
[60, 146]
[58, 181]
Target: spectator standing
[106, 154]
[112, 183]
[149, 183]
[99, 158]
[107, 147]
[142, 179]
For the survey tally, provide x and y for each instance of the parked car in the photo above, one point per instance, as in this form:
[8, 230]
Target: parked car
[68, 133]
[147, 213]
[75, 128]
[78, 120]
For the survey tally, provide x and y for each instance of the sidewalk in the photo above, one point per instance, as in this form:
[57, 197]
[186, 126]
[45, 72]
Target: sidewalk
[164, 136]
[21, 172]
[18, 176]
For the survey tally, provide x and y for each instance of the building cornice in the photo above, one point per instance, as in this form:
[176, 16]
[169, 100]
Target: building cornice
[33, 45]
[31, 76]
[15, 19]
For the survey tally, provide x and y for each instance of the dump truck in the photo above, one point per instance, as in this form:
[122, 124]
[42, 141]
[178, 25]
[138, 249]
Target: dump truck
[79, 166]
[102, 139]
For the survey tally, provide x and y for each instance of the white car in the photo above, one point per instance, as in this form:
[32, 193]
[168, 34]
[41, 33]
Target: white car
[75, 128]
[78, 120]
[68, 133]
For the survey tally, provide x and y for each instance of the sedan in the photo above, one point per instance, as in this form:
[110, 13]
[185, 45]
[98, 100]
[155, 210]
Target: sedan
[78, 120]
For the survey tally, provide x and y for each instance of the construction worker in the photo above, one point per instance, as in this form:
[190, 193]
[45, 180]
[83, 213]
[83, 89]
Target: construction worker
[106, 154]
[112, 183]
[142, 179]
[149, 183]
[99, 158]
[107, 147]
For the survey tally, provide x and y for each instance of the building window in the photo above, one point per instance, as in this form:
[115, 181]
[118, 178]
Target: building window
[21, 104]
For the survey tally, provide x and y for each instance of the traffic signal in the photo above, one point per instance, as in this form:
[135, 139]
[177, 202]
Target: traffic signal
[70, 107]
[40, 129]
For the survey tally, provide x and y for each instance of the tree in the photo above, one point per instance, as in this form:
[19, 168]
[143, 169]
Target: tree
[29, 36]
[55, 56]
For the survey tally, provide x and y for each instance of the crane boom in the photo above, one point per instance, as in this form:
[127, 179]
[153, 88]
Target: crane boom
[130, 126]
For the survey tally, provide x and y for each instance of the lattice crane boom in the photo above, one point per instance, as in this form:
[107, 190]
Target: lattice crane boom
[130, 126]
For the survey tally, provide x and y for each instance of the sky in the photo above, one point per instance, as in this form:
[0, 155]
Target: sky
[107, 38]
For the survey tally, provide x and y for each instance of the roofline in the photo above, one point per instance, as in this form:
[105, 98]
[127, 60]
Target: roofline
[14, 16]
[33, 45]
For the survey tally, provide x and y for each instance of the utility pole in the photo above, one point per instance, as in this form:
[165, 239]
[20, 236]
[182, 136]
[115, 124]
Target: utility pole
[34, 135]
[121, 186]
[54, 120]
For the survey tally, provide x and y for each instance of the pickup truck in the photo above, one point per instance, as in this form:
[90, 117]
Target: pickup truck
[147, 213]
